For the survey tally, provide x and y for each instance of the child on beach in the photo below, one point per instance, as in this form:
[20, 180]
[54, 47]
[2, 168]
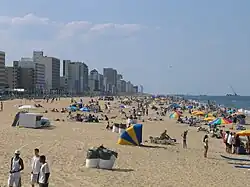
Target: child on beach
[184, 139]
[205, 142]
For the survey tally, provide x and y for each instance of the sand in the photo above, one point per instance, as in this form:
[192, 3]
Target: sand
[65, 147]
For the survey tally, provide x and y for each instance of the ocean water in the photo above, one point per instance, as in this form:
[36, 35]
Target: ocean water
[228, 101]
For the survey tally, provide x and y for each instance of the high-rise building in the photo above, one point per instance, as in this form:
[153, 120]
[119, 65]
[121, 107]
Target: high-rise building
[94, 84]
[110, 79]
[38, 77]
[85, 77]
[75, 76]
[10, 77]
[140, 89]
[123, 86]
[52, 70]
[101, 82]
[27, 79]
[118, 83]
[3, 82]
[13, 76]
[129, 87]
[135, 89]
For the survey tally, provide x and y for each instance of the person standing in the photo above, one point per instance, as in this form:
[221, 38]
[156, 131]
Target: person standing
[16, 166]
[44, 173]
[1, 105]
[205, 142]
[184, 137]
[35, 167]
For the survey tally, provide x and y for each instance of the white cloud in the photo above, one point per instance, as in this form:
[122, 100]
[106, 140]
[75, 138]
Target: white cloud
[21, 35]
[31, 23]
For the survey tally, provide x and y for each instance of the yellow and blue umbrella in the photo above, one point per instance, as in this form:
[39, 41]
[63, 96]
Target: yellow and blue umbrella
[131, 136]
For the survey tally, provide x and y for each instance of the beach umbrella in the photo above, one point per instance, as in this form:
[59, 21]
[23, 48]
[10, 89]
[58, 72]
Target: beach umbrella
[131, 136]
[244, 133]
[190, 107]
[199, 113]
[209, 119]
[122, 106]
[175, 115]
[85, 109]
[196, 111]
[26, 107]
[175, 105]
[72, 108]
[220, 121]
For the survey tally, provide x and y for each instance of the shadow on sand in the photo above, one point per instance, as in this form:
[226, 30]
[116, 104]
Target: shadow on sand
[239, 163]
[153, 146]
[122, 170]
[48, 128]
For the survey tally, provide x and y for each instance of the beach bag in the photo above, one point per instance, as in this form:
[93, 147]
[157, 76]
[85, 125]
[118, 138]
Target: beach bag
[93, 158]
[107, 158]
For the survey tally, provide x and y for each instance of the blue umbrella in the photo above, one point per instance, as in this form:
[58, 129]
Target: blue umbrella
[72, 108]
[85, 109]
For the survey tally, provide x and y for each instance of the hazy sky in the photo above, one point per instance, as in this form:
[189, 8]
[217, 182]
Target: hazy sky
[169, 46]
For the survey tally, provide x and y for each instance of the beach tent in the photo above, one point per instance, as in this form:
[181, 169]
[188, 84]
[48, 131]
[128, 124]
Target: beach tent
[131, 136]
[16, 120]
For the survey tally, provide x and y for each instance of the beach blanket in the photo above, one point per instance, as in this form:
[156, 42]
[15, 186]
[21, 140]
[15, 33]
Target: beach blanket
[236, 159]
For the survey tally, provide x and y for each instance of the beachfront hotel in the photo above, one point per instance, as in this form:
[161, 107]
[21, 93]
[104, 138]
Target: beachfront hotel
[3, 82]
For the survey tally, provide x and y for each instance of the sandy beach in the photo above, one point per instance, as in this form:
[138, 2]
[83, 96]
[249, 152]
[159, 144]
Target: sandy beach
[65, 147]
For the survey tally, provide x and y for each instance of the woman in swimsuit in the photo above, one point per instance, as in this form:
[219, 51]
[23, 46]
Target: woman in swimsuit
[205, 142]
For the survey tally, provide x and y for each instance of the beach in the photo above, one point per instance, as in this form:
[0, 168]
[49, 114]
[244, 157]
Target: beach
[66, 145]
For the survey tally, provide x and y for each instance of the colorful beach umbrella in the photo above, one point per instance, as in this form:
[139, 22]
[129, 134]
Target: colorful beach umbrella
[175, 115]
[199, 113]
[220, 121]
[131, 136]
[209, 119]
[244, 133]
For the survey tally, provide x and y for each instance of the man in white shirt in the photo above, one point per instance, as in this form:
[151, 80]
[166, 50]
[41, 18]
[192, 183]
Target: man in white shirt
[16, 166]
[229, 142]
[44, 173]
[35, 168]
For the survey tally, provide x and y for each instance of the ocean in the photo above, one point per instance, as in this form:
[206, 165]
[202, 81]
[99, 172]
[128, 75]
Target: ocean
[228, 101]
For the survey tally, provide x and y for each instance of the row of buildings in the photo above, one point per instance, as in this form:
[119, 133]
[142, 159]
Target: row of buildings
[41, 74]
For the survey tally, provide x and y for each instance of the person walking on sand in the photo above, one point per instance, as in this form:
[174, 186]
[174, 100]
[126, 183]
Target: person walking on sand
[44, 173]
[16, 166]
[35, 167]
[205, 142]
[1, 105]
[184, 138]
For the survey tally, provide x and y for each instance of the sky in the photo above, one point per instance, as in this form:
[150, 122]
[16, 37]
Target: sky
[168, 46]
